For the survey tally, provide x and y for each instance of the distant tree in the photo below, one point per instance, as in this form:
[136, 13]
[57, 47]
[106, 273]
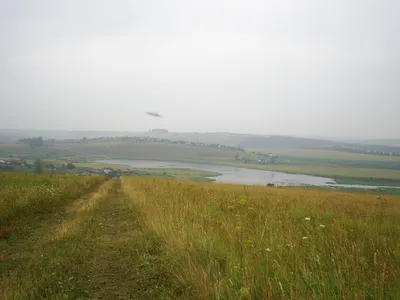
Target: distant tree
[273, 159]
[245, 159]
[114, 174]
[237, 156]
[70, 166]
[38, 166]
[33, 142]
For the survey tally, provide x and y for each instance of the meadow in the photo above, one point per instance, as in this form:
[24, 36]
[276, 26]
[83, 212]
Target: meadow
[326, 154]
[23, 195]
[146, 238]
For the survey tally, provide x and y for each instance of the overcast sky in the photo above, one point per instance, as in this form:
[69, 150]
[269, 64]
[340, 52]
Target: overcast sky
[316, 68]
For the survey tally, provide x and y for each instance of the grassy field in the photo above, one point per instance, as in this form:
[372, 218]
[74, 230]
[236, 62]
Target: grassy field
[22, 194]
[331, 171]
[345, 167]
[326, 154]
[144, 238]
[146, 150]
[25, 151]
[185, 174]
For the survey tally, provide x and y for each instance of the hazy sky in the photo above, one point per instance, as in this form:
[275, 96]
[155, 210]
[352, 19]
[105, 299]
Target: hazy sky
[327, 68]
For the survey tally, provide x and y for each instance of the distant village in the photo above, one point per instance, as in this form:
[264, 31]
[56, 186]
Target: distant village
[14, 164]
[150, 139]
[264, 158]
[17, 164]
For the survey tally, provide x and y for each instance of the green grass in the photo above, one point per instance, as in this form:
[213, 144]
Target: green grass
[22, 150]
[148, 150]
[231, 243]
[184, 174]
[23, 195]
[95, 247]
[331, 171]
[145, 238]
[327, 154]
[368, 181]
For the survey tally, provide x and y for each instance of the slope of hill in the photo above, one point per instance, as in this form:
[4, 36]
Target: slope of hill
[381, 142]
[134, 238]
[244, 140]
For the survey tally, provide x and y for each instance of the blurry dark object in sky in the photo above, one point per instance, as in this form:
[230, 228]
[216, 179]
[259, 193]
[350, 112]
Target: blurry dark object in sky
[154, 114]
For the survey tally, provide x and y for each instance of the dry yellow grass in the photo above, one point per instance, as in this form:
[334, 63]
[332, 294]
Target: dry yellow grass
[274, 243]
[143, 238]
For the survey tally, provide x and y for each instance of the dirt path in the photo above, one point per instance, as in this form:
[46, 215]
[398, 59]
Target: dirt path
[126, 262]
[100, 250]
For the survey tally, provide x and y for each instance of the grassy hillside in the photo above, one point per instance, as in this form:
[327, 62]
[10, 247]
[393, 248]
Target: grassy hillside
[143, 238]
[384, 142]
[7, 149]
[245, 140]
[149, 150]
[276, 141]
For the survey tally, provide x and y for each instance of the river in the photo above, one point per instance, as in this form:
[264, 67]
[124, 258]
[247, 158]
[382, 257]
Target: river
[241, 175]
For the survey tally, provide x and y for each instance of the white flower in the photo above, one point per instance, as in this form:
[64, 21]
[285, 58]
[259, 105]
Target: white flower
[307, 218]
[268, 250]
[304, 238]
[322, 226]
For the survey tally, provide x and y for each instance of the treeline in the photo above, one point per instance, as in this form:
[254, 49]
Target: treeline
[148, 139]
[33, 142]
[367, 151]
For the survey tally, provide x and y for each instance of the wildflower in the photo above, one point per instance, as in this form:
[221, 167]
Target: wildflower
[307, 218]
[249, 243]
[244, 292]
[322, 226]
[242, 201]
[305, 238]
[268, 250]
[290, 245]
[238, 228]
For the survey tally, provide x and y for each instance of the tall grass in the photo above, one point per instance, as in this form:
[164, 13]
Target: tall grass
[23, 195]
[230, 242]
[52, 270]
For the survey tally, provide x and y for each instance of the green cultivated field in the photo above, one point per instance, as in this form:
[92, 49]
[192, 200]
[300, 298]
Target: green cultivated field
[326, 154]
[149, 150]
[76, 237]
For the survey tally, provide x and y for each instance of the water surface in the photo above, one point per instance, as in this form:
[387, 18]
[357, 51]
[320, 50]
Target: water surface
[241, 175]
